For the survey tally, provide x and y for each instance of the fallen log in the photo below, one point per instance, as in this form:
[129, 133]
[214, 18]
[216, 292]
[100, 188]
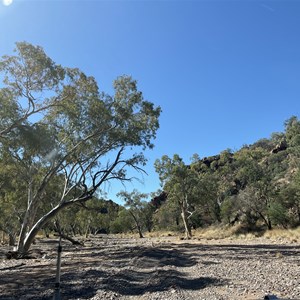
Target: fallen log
[68, 238]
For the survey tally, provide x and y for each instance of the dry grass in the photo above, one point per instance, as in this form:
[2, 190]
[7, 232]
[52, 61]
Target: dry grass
[217, 232]
[158, 234]
[238, 232]
[223, 232]
[286, 234]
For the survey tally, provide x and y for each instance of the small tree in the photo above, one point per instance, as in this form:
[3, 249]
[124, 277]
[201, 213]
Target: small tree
[256, 177]
[136, 208]
[167, 217]
[123, 223]
[180, 182]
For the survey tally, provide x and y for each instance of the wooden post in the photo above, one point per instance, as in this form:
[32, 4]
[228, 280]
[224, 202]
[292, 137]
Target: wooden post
[56, 295]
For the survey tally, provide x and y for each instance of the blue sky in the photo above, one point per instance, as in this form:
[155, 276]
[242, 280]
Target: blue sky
[226, 73]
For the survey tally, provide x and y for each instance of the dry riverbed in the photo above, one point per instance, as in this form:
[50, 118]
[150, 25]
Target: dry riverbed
[107, 267]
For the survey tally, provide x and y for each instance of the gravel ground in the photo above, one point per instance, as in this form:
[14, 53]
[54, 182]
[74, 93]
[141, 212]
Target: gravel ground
[154, 269]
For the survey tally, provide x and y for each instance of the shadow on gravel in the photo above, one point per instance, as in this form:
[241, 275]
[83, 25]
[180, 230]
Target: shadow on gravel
[139, 283]
[127, 269]
[130, 283]
[136, 271]
[133, 270]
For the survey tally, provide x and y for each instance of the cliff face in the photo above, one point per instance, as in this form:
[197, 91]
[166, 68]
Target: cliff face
[263, 161]
[208, 160]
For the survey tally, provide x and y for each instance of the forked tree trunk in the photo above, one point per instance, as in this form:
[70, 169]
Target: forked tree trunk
[187, 227]
[26, 241]
[138, 226]
[140, 232]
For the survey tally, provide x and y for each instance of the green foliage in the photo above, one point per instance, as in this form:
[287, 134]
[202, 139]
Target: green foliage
[278, 214]
[265, 144]
[257, 184]
[124, 222]
[208, 203]
[167, 217]
[180, 183]
[65, 136]
[228, 210]
[292, 132]
[136, 208]
[278, 164]
[289, 198]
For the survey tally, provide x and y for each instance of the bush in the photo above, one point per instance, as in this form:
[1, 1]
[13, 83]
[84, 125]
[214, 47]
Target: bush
[278, 214]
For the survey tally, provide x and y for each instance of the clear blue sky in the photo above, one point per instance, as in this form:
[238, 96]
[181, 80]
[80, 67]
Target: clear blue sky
[226, 73]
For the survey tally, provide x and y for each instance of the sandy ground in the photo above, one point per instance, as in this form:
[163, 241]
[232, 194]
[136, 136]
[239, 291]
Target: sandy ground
[107, 267]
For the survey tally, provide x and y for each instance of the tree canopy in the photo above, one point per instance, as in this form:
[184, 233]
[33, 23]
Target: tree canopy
[62, 132]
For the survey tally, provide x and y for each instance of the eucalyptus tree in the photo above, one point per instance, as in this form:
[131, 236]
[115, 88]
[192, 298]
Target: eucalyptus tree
[81, 135]
[180, 182]
[259, 187]
[136, 208]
